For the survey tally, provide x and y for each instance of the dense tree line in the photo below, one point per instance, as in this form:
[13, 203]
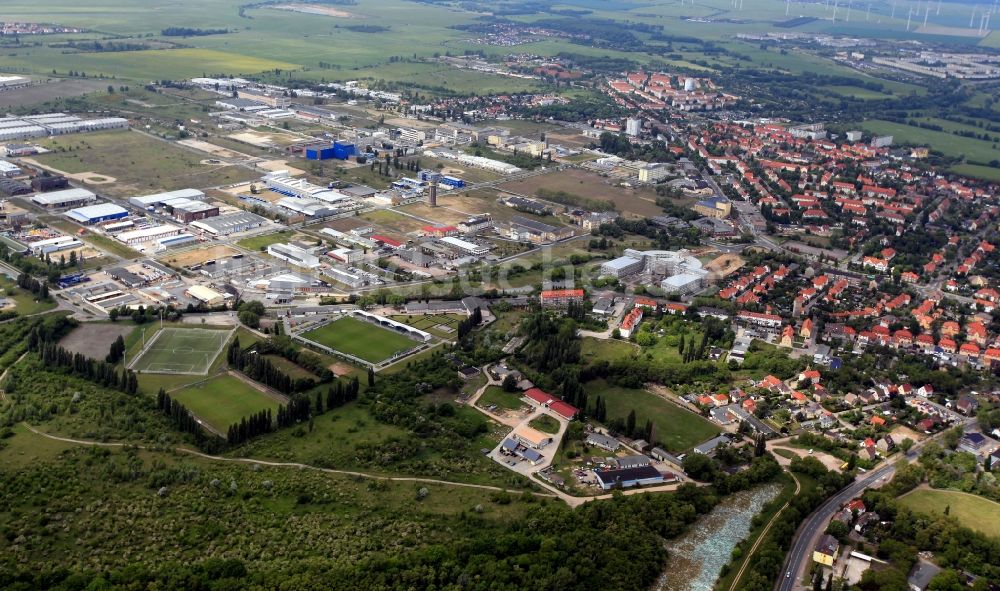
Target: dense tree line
[78, 364]
[180, 416]
[35, 266]
[258, 367]
[466, 325]
[257, 423]
[117, 351]
[620, 145]
[282, 345]
[189, 32]
[29, 283]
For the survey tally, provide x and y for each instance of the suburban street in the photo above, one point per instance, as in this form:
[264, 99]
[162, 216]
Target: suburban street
[800, 555]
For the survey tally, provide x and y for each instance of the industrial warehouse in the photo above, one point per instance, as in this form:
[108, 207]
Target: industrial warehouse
[93, 214]
[36, 126]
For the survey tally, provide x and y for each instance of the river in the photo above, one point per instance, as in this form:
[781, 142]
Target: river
[697, 557]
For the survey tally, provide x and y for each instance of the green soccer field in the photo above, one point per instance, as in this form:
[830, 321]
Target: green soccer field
[224, 400]
[181, 351]
[360, 339]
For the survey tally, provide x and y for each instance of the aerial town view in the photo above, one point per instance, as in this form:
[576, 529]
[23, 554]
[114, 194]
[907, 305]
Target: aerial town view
[625, 295]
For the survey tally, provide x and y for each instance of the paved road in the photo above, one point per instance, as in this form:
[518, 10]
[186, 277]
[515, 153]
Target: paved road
[809, 532]
[813, 527]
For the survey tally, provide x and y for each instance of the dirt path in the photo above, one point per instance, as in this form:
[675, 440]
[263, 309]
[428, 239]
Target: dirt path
[286, 464]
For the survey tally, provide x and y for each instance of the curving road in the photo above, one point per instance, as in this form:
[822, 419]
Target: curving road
[813, 527]
[807, 536]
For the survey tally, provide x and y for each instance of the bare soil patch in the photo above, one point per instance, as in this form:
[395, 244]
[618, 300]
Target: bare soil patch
[638, 201]
[319, 9]
[725, 265]
[199, 255]
[94, 339]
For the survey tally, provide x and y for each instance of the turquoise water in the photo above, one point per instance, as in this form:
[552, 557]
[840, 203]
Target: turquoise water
[697, 557]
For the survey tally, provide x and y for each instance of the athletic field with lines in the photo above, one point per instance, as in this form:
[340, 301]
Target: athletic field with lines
[361, 339]
[181, 351]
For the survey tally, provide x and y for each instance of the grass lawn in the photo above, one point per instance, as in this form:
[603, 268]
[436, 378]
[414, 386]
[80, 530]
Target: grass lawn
[405, 362]
[444, 326]
[545, 424]
[180, 350]
[360, 339]
[677, 429]
[294, 371]
[224, 400]
[140, 164]
[858, 92]
[25, 302]
[978, 513]
[496, 395]
[609, 349]
[263, 241]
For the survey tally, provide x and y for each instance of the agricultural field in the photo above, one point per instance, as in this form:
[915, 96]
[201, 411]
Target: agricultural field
[138, 163]
[951, 145]
[49, 90]
[223, 400]
[678, 429]
[974, 512]
[858, 93]
[94, 337]
[590, 186]
[360, 339]
[181, 351]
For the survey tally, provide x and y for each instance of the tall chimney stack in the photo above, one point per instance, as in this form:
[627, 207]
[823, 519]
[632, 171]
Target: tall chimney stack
[432, 191]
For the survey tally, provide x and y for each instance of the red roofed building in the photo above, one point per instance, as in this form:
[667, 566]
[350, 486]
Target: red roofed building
[543, 399]
[992, 355]
[386, 241]
[563, 409]
[439, 231]
[560, 297]
[969, 350]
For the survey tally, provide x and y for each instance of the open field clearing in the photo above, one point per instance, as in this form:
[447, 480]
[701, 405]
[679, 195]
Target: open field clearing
[678, 429]
[951, 145]
[48, 90]
[587, 185]
[197, 256]
[974, 512]
[94, 339]
[144, 65]
[360, 339]
[223, 400]
[140, 164]
[181, 351]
